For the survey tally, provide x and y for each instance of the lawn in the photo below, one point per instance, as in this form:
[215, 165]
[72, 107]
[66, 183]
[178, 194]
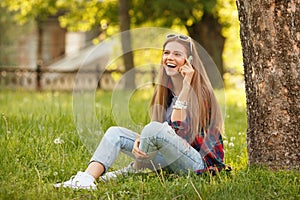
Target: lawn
[40, 145]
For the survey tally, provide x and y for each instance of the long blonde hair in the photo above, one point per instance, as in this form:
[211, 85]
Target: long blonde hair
[204, 110]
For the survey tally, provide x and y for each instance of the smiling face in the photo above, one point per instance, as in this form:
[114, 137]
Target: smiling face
[174, 56]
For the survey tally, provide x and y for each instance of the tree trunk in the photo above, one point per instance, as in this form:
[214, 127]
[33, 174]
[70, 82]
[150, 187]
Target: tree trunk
[126, 43]
[208, 33]
[270, 34]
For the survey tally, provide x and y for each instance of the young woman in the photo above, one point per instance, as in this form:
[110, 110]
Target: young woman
[185, 129]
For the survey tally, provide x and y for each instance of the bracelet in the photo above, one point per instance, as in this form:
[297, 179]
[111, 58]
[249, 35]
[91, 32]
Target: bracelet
[181, 105]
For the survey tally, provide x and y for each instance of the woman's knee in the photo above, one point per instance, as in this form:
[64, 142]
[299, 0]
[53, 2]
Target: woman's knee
[112, 132]
[152, 129]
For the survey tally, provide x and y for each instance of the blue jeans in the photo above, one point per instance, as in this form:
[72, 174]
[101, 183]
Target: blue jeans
[164, 147]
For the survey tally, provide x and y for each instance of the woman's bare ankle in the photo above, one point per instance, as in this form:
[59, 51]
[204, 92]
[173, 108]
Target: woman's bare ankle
[95, 169]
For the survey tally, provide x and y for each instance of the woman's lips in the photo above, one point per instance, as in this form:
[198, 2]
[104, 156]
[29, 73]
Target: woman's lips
[171, 65]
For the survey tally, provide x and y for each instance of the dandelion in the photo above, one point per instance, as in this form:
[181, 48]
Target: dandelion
[58, 141]
[225, 142]
[231, 144]
[55, 173]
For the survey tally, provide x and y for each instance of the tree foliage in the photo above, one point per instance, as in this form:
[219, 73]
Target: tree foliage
[84, 15]
[31, 9]
[73, 14]
[168, 13]
[182, 12]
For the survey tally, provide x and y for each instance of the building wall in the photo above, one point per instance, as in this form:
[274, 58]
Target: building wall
[17, 43]
[54, 40]
[26, 47]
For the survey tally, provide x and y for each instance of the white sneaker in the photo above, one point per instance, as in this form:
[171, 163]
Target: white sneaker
[114, 174]
[82, 180]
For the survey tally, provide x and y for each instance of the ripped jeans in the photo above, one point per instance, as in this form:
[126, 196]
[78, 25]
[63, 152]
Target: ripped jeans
[164, 147]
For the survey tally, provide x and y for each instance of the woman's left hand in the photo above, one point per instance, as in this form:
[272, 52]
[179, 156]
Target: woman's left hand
[187, 71]
[139, 154]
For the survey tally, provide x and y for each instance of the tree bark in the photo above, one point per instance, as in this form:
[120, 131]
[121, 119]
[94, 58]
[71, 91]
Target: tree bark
[270, 35]
[126, 43]
[208, 33]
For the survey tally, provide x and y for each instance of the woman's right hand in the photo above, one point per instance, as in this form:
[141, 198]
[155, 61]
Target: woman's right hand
[187, 71]
[139, 154]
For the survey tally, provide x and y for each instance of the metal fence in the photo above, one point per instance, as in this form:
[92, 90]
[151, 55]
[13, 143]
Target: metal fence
[43, 78]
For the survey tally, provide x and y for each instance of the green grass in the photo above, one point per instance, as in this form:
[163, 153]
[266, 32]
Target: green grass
[31, 161]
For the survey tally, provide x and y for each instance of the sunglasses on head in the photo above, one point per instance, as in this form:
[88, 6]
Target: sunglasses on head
[181, 37]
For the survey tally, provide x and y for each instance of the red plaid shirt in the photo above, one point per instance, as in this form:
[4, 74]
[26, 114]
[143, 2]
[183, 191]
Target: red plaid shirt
[210, 146]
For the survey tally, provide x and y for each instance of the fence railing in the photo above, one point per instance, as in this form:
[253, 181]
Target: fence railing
[43, 78]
